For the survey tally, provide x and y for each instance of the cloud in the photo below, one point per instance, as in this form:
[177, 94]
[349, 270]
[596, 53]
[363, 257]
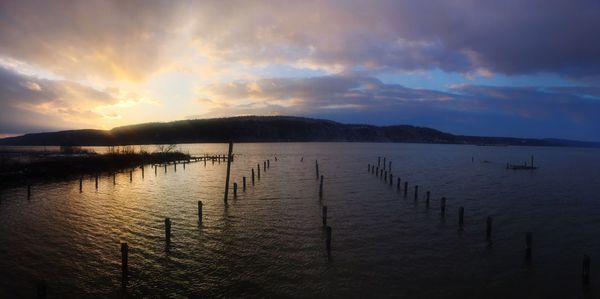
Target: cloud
[129, 40]
[567, 112]
[31, 104]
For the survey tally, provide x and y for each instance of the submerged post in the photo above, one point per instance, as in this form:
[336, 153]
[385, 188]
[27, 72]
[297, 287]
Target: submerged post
[142, 171]
[96, 181]
[168, 230]
[252, 176]
[391, 179]
[317, 168]
[175, 166]
[385, 176]
[244, 184]
[324, 215]
[130, 176]
[383, 162]
[416, 192]
[398, 185]
[234, 190]
[328, 239]
[200, 211]
[378, 162]
[405, 189]
[269, 163]
[488, 229]
[80, 184]
[155, 170]
[114, 178]
[265, 165]
[377, 172]
[321, 188]
[228, 172]
[461, 214]
[390, 165]
[585, 273]
[258, 168]
[443, 206]
[528, 241]
[124, 264]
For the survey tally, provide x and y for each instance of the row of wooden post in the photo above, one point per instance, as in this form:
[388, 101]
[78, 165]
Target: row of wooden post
[461, 212]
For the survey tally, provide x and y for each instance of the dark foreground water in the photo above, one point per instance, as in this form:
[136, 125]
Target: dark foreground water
[269, 242]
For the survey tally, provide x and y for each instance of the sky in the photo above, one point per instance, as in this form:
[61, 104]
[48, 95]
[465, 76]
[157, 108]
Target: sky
[521, 68]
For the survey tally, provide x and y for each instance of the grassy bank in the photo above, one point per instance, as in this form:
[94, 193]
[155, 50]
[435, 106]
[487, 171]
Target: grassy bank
[23, 167]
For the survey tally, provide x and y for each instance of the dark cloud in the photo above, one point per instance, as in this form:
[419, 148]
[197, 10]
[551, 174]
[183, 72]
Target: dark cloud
[565, 112]
[30, 104]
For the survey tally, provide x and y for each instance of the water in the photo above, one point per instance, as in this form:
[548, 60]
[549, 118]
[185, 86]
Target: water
[269, 242]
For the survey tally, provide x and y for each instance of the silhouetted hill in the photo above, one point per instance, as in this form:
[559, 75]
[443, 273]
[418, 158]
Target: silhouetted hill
[266, 129]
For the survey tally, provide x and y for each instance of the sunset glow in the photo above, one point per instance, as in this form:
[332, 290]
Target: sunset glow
[506, 68]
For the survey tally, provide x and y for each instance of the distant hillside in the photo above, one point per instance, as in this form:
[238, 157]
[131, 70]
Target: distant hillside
[266, 129]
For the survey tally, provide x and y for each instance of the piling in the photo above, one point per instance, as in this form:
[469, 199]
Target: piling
[265, 165]
[317, 168]
[528, 241]
[405, 189]
[165, 168]
[124, 264]
[41, 290]
[252, 176]
[168, 230]
[416, 192]
[142, 171]
[175, 167]
[391, 179]
[80, 184]
[229, 172]
[234, 190]
[398, 185]
[427, 199]
[269, 163]
[585, 273]
[390, 165]
[114, 176]
[461, 214]
[130, 176]
[200, 211]
[155, 170]
[96, 182]
[377, 172]
[488, 229]
[381, 174]
[385, 176]
[378, 162]
[328, 239]
[321, 188]
[443, 206]
[258, 167]
[383, 162]
[244, 184]
[324, 215]
[183, 167]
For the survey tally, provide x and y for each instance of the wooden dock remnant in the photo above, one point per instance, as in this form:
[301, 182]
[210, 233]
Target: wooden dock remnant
[229, 172]
[124, 264]
[200, 211]
[324, 215]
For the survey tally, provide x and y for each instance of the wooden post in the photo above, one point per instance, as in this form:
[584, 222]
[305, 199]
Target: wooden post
[427, 199]
[114, 176]
[416, 192]
[377, 172]
[585, 273]
[328, 239]
[390, 165]
[398, 185]
[142, 171]
[168, 230]
[321, 188]
[183, 167]
[41, 290]
[124, 264]
[269, 163]
[405, 189]
[155, 170]
[252, 176]
[265, 165]
[324, 215]
[234, 190]
[383, 162]
[165, 168]
[130, 176]
[28, 192]
[80, 184]
[391, 179]
[200, 211]
[96, 182]
[378, 162]
[258, 167]
[317, 168]
[175, 167]
[381, 174]
[229, 171]
[385, 177]
[244, 184]
[461, 214]
[443, 206]
[488, 229]
[528, 241]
